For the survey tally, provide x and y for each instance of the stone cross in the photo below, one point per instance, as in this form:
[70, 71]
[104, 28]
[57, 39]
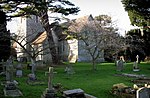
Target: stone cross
[50, 76]
[9, 70]
[137, 58]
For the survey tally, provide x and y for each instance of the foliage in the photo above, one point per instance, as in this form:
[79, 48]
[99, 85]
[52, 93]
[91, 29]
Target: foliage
[5, 46]
[33, 7]
[138, 11]
[40, 8]
[138, 44]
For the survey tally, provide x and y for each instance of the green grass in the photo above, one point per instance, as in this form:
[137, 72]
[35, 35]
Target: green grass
[97, 83]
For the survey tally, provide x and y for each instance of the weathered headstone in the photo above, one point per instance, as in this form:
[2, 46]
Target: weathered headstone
[49, 93]
[72, 58]
[50, 77]
[143, 93]
[9, 70]
[11, 88]
[120, 65]
[19, 70]
[135, 66]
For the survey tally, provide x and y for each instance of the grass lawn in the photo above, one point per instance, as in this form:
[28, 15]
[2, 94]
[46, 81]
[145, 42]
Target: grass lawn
[97, 83]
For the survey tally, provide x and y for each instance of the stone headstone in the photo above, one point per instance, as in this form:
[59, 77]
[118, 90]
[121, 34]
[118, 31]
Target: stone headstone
[120, 65]
[31, 77]
[19, 70]
[143, 93]
[9, 70]
[19, 73]
[135, 66]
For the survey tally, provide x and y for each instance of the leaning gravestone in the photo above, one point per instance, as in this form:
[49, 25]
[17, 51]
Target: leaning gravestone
[49, 93]
[143, 93]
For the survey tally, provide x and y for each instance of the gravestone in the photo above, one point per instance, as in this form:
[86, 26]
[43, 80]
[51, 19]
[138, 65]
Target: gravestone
[11, 88]
[75, 93]
[9, 70]
[143, 93]
[19, 70]
[137, 58]
[120, 65]
[135, 66]
[49, 92]
[72, 58]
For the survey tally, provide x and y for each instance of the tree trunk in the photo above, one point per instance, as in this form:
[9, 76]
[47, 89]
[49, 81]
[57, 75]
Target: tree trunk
[33, 66]
[52, 45]
[94, 65]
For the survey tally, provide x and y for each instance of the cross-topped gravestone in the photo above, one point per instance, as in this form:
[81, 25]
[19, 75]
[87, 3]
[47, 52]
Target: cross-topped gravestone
[9, 70]
[49, 93]
[137, 58]
[50, 76]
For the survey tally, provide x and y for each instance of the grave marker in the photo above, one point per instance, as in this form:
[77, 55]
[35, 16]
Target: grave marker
[120, 65]
[143, 93]
[49, 93]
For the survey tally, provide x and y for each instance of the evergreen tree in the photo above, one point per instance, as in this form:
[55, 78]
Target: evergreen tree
[138, 11]
[40, 8]
[4, 38]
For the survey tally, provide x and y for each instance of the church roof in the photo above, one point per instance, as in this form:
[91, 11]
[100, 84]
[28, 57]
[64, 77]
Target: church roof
[40, 38]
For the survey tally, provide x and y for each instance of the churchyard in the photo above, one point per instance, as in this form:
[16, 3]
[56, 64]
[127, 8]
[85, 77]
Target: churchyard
[98, 83]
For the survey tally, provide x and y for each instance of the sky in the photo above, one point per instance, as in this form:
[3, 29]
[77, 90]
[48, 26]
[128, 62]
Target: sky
[113, 8]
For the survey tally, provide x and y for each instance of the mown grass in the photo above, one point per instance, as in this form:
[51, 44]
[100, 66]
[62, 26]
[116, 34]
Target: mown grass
[97, 83]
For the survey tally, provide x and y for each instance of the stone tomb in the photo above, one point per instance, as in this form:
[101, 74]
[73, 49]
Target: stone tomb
[12, 90]
[76, 93]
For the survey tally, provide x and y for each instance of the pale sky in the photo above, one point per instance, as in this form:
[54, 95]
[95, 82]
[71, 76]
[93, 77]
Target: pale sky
[113, 8]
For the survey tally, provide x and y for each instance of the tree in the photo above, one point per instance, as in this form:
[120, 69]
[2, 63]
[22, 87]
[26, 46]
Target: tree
[96, 35]
[40, 8]
[5, 46]
[139, 14]
[34, 50]
[138, 11]
[138, 44]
